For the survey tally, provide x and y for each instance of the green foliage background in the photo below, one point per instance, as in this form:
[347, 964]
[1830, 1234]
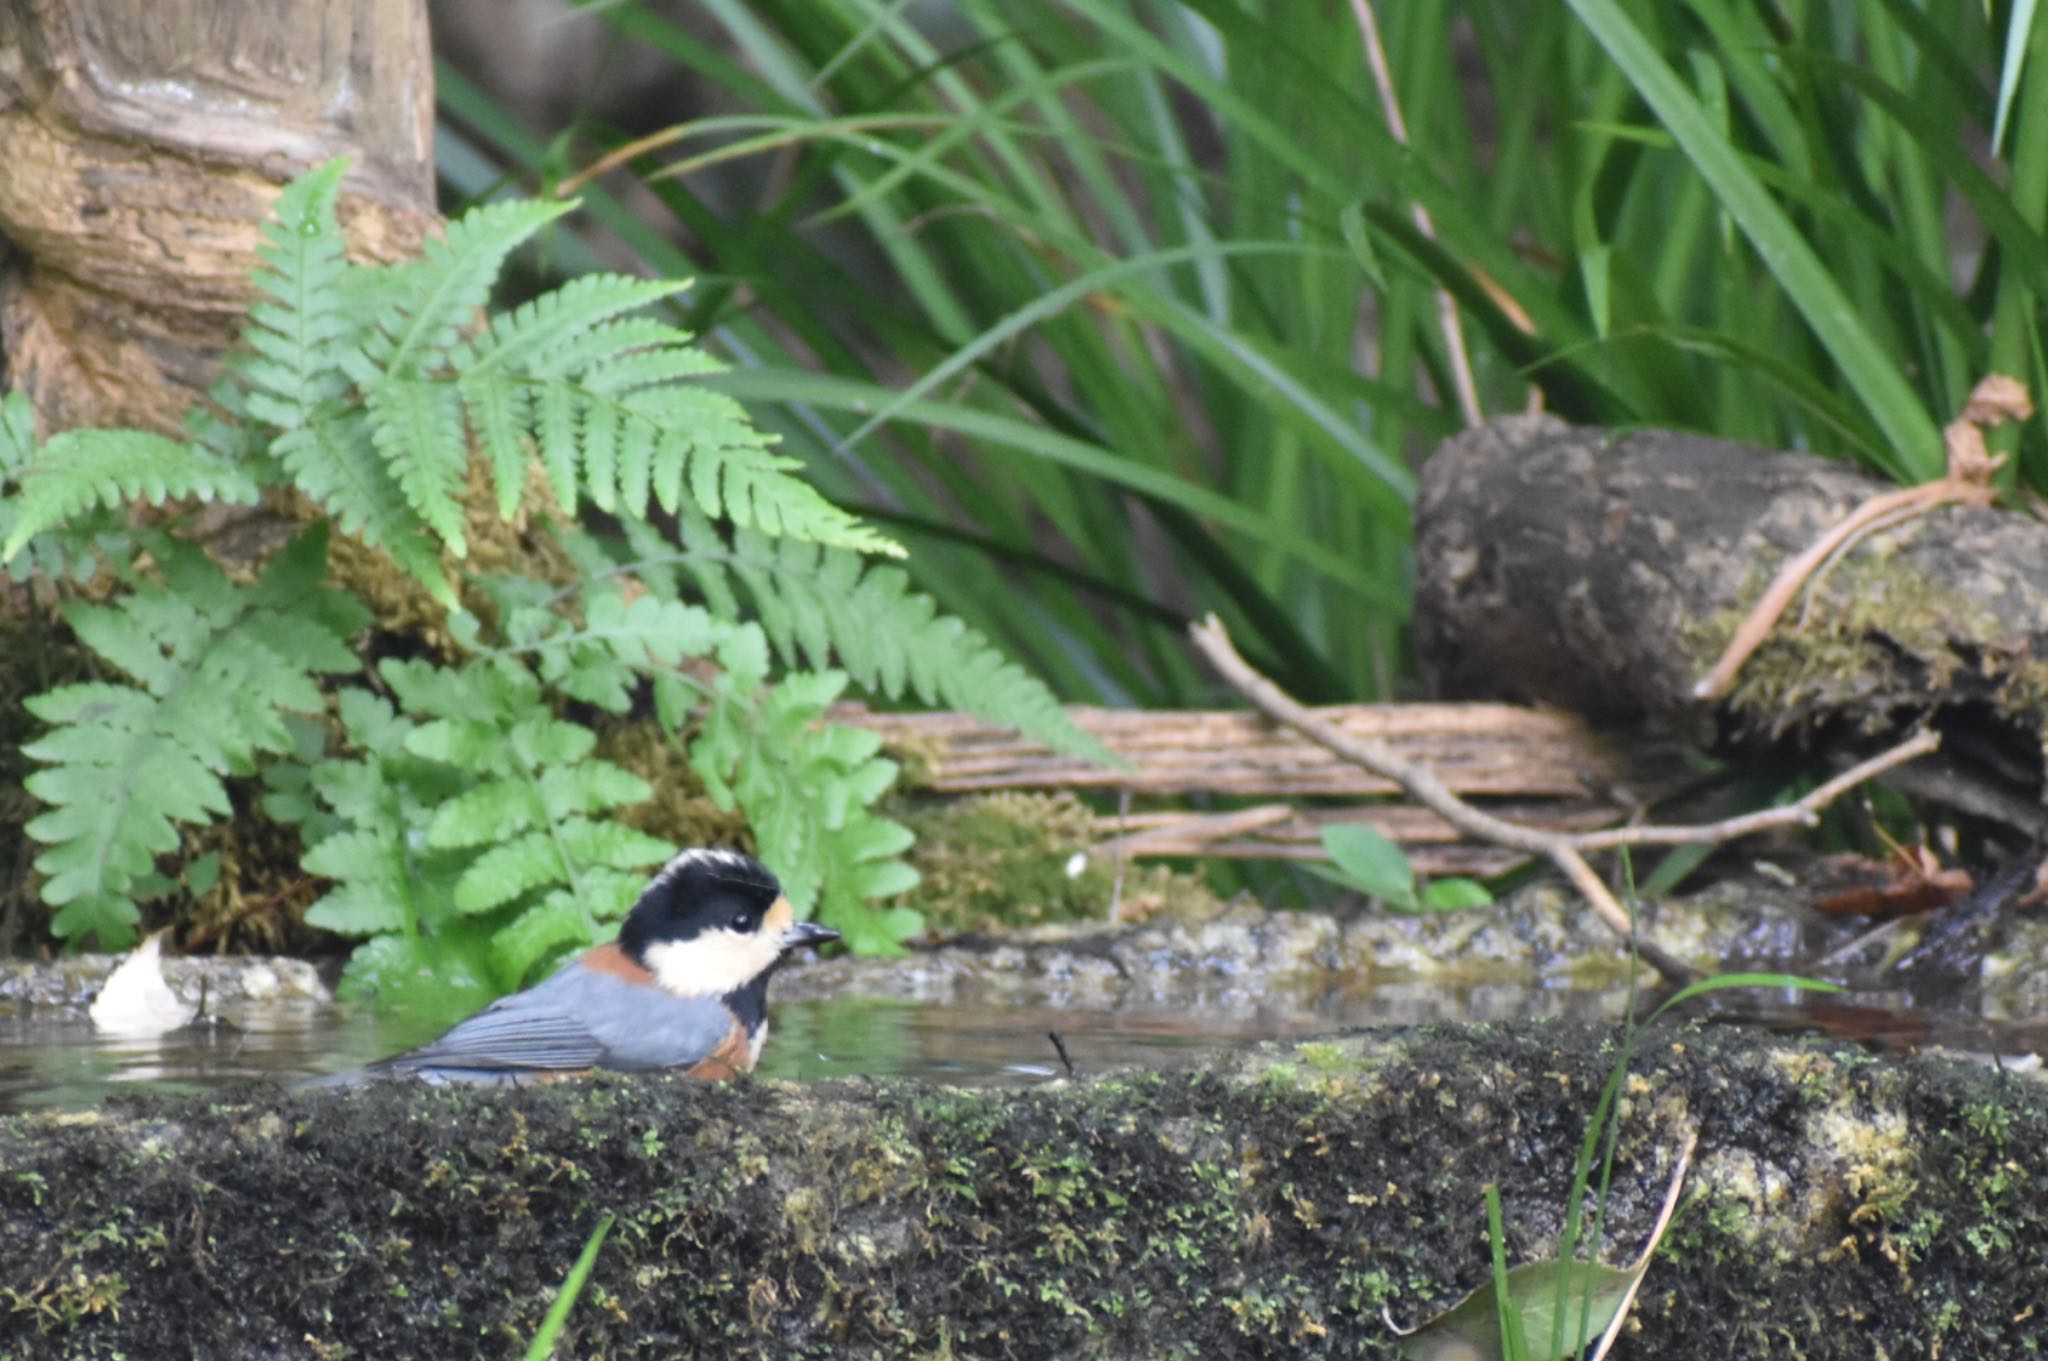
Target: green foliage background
[451, 793]
[1115, 310]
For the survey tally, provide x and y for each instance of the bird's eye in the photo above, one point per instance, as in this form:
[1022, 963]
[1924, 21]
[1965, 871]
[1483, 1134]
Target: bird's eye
[744, 921]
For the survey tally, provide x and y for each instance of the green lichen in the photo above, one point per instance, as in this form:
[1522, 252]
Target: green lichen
[1873, 624]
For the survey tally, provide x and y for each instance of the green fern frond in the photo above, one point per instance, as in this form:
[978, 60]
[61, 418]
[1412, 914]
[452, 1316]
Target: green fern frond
[81, 470]
[291, 366]
[215, 666]
[537, 336]
[385, 878]
[807, 788]
[337, 464]
[532, 809]
[592, 352]
[432, 300]
[707, 440]
[500, 411]
[417, 426]
[116, 786]
[821, 605]
[604, 659]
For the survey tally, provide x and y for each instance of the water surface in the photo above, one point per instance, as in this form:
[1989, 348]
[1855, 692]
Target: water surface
[55, 1058]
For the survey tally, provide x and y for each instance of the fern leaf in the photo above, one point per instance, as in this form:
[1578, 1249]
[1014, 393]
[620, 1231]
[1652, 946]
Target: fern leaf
[600, 455]
[487, 813]
[417, 426]
[635, 461]
[557, 417]
[115, 787]
[590, 787]
[373, 884]
[530, 336]
[385, 879]
[500, 410]
[215, 666]
[731, 472]
[509, 871]
[437, 296]
[79, 470]
[540, 931]
[595, 350]
[807, 788]
[820, 604]
[291, 365]
[336, 463]
[652, 366]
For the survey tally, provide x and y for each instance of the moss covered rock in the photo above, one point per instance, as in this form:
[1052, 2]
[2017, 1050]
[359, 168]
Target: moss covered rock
[1841, 1205]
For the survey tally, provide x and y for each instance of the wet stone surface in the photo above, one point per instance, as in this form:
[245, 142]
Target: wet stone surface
[1166, 992]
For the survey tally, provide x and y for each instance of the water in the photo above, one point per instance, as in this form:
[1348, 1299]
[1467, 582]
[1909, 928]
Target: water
[55, 1058]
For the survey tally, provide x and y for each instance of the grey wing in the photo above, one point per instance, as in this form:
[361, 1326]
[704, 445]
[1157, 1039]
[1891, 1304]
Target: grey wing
[579, 1018]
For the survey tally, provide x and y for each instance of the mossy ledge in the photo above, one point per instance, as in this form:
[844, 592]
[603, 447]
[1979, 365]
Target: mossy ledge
[1840, 1205]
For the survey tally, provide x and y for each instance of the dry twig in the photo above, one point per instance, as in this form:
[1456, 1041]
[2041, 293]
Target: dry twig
[1565, 850]
[1642, 1264]
[1994, 401]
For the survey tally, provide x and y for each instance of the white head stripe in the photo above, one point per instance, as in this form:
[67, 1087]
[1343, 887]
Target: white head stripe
[713, 860]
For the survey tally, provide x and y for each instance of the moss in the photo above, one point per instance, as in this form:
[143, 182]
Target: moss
[995, 860]
[1185, 1213]
[1875, 625]
[680, 811]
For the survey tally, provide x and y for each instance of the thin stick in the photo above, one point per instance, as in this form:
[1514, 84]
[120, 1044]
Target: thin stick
[1447, 320]
[1995, 401]
[1889, 507]
[1566, 850]
[1642, 1265]
[1805, 812]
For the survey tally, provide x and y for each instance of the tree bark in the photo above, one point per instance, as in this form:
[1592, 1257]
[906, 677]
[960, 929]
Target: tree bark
[1604, 572]
[141, 144]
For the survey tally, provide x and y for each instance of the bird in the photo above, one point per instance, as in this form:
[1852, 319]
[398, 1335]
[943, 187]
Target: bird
[683, 987]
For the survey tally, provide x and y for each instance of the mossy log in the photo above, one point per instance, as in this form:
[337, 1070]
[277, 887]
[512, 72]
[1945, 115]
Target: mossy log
[1605, 571]
[1840, 1206]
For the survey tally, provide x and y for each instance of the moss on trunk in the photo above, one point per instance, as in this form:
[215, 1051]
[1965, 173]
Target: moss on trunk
[1842, 1205]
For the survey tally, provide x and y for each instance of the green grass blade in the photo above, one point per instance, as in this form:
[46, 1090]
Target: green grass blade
[1916, 451]
[543, 1345]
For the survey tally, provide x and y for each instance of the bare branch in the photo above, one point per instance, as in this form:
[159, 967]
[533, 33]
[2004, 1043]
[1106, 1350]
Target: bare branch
[1566, 850]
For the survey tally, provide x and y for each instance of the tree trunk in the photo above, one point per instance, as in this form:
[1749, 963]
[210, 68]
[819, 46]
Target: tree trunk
[141, 144]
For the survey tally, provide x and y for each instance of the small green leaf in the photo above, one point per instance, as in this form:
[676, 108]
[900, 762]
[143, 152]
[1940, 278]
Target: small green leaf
[1374, 864]
[1455, 895]
[202, 874]
[1471, 1329]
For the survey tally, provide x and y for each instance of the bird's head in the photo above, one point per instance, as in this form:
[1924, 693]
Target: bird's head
[713, 922]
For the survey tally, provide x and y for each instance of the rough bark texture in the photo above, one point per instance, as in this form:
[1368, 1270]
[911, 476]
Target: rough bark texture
[1841, 1206]
[1539, 767]
[141, 144]
[1604, 572]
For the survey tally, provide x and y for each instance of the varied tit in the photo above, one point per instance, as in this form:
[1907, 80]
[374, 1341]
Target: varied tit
[684, 986]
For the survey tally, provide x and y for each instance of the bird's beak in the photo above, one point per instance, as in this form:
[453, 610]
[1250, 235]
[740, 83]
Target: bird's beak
[807, 933]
